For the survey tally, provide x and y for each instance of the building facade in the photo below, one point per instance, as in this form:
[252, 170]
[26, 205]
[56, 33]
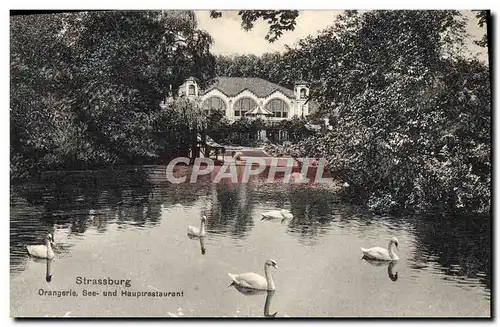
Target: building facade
[238, 97]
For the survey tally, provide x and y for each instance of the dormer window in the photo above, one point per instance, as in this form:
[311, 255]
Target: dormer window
[192, 90]
[303, 94]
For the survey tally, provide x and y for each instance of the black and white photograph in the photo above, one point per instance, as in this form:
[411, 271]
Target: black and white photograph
[250, 163]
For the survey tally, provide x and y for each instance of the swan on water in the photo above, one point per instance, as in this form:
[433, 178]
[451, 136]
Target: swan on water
[378, 253]
[42, 251]
[237, 156]
[194, 231]
[277, 214]
[255, 281]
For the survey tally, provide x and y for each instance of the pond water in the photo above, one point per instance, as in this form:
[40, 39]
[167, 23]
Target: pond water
[132, 224]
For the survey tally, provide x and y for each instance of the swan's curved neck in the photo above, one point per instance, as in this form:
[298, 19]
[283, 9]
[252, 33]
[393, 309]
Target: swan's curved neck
[269, 279]
[392, 253]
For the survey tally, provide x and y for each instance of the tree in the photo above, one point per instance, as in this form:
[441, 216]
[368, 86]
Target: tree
[412, 114]
[483, 17]
[89, 84]
[126, 62]
[278, 20]
[39, 105]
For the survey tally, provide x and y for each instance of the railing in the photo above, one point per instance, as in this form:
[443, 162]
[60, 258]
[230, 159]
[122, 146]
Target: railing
[207, 148]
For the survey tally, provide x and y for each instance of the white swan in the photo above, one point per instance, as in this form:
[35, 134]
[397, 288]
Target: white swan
[378, 253]
[237, 156]
[255, 281]
[194, 231]
[277, 214]
[42, 251]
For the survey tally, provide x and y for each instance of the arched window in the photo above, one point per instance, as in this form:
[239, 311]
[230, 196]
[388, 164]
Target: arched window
[278, 107]
[192, 89]
[243, 105]
[213, 103]
[303, 93]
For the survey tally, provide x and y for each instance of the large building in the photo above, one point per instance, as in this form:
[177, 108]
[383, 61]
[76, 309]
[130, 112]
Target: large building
[252, 97]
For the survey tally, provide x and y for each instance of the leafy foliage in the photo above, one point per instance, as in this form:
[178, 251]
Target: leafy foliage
[278, 20]
[244, 131]
[86, 87]
[411, 116]
[483, 16]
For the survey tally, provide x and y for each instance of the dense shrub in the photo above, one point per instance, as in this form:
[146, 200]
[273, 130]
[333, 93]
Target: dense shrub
[411, 113]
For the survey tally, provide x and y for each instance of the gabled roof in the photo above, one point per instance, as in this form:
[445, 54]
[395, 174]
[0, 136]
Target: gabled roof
[259, 111]
[232, 86]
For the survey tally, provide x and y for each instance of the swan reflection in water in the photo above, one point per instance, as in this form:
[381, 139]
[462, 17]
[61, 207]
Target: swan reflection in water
[202, 242]
[202, 245]
[48, 271]
[48, 267]
[390, 266]
[249, 291]
[267, 305]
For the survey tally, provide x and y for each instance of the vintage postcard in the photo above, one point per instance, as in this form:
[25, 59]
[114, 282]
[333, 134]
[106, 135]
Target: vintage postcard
[250, 163]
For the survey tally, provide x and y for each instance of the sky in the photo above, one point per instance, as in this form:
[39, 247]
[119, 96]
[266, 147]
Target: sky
[230, 38]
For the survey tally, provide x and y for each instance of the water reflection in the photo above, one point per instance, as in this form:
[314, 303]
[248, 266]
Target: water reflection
[75, 203]
[312, 211]
[200, 239]
[460, 245]
[202, 245]
[253, 292]
[267, 305]
[48, 271]
[390, 266]
[231, 209]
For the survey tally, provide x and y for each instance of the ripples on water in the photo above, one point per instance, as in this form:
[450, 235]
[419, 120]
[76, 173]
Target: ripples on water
[75, 205]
